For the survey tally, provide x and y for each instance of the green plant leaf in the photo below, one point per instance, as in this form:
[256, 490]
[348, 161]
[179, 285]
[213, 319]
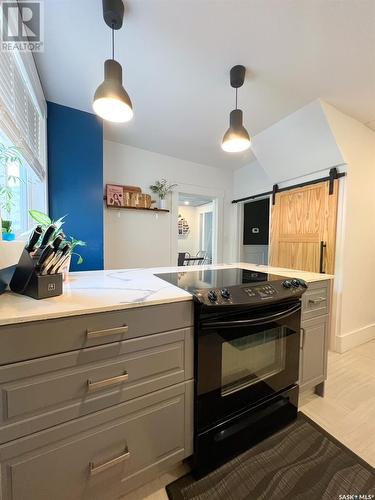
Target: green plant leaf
[40, 217]
[80, 260]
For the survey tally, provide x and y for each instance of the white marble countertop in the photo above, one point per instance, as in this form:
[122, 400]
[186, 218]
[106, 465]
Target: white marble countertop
[98, 291]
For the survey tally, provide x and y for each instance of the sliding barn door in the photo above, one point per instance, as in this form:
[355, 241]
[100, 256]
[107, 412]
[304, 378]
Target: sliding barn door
[303, 228]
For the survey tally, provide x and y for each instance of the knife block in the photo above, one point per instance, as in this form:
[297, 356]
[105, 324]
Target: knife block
[27, 281]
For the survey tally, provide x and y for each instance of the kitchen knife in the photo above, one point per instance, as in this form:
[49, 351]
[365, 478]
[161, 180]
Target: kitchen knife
[45, 240]
[61, 264]
[48, 234]
[57, 242]
[45, 255]
[34, 238]
[57, 259]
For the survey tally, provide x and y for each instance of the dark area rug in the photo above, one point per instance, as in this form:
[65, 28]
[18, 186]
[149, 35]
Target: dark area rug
[300, 462]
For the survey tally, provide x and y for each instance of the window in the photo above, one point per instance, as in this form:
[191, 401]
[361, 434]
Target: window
[27, 191]
[23, 125]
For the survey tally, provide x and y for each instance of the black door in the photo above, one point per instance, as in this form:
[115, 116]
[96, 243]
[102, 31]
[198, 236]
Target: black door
[256, 222]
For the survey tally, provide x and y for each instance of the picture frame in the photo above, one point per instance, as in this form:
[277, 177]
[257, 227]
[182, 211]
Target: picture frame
[115, 195]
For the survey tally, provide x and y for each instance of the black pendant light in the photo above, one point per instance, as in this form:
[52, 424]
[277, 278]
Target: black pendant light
[236, 138]
[111, 101]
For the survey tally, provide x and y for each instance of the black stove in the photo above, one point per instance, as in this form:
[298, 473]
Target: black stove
[246, 358]
[235, 286]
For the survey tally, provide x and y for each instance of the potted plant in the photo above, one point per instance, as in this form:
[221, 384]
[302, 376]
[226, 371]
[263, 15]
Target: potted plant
[6, 230]
[45, 221]
[162, 188]
[8, 156]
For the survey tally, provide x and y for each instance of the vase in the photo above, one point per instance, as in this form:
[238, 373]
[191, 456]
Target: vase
[9, 236]
[162, 204]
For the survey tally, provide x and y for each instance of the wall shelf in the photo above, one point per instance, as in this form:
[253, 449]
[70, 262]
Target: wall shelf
[138, 208]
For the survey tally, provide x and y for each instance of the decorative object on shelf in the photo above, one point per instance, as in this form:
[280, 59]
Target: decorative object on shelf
[126, 197]
[236, 138]
[115, 195]
[162, 188]
[140, 200]
[8, 156]
[111, 101]
[183, 226]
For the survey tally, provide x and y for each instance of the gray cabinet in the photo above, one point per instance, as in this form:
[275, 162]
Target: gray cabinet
[93, 406]
[104, 460]
[314, 336]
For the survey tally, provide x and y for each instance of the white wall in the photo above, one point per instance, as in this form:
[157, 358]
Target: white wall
[189, 242]
[355, 263]
[143, 239]
[297, 145]
[250, 179]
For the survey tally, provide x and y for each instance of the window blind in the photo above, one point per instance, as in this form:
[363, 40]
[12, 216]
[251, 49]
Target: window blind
[20, 115]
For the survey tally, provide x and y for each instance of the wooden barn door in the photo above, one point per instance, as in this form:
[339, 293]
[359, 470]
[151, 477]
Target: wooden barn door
[303, 228]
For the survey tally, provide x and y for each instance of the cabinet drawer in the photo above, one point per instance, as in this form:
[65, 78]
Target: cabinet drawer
[95, 464]
[44, 392]
[315, 301]
[25, 341]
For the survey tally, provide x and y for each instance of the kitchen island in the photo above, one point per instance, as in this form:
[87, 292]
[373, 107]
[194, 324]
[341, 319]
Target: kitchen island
[99, 291]
[97, 384]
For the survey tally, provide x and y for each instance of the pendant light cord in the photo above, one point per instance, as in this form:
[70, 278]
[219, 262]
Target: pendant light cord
[113, 41]
[236, 96]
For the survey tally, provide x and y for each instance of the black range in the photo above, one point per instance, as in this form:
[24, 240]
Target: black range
[247, 341]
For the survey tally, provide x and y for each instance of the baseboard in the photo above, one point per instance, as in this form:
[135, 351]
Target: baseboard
[353, 339]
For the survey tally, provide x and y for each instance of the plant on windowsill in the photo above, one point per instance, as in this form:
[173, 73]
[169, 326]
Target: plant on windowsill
[8, 156]
[162, 188]
[45, 221]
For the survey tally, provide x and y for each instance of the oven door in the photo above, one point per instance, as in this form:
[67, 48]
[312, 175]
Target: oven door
[244, 358]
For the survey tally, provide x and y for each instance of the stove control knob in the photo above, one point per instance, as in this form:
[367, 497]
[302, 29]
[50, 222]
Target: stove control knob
[212, 296]
[302, 283]
[287, 284]
[295, 283]
[225, 293]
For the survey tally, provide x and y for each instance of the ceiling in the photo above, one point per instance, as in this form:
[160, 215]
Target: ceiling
[177, 54]
[193, 200]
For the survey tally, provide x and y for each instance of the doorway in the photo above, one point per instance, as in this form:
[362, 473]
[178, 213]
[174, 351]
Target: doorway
[196, 229]
[255, 239]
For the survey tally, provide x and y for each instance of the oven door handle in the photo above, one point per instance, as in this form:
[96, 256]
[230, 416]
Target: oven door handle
[255, 321]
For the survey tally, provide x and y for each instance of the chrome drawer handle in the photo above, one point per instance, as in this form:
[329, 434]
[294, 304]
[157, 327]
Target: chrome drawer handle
[317, 301]
[110, 331]
[95, 469]
[92, 386]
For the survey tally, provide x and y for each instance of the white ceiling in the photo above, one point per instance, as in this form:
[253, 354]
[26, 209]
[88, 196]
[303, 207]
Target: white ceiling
[194, 200]
[176, 56]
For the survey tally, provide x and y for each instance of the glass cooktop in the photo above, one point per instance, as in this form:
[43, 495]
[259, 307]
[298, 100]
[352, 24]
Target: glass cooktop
[216, 278]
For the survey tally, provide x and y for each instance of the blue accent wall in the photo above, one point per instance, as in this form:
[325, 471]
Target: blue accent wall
[75, 179]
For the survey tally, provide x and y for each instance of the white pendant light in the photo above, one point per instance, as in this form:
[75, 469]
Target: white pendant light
[111, 101]
[236, 139]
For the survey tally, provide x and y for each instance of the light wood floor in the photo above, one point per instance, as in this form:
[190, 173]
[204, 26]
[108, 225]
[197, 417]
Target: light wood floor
[347, 411]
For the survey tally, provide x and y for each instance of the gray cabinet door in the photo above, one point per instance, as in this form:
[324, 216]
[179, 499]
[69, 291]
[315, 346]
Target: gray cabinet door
[313, 358]
[96, 463]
